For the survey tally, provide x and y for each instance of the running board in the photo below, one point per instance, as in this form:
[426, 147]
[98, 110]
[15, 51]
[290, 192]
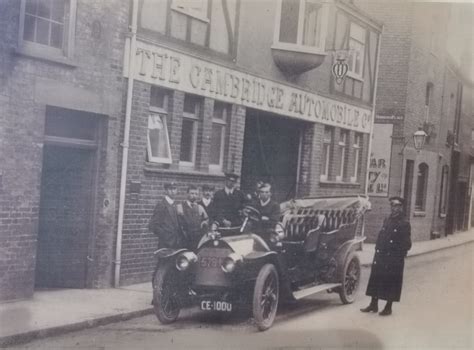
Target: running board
[313, 290]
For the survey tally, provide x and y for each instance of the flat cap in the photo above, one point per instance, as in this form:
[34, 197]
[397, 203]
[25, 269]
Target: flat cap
[169, 185]
[397, 200]
[231, 176]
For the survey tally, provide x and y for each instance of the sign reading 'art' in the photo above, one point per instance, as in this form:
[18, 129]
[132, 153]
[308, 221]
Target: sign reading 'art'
[174, 70]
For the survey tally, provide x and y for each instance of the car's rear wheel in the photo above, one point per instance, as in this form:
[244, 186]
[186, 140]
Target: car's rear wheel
[165, 295]
[350, 278]
[265, 297]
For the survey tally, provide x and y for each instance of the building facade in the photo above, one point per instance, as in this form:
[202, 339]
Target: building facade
[61, 85]
[425, 73]
[244, 86]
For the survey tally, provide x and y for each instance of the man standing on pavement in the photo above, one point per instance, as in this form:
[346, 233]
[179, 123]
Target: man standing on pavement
[207, 201]
[164, 221]
[193, 218]
[228, 202]
[393, 243]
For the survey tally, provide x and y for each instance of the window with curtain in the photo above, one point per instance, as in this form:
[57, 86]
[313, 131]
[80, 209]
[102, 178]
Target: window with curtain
[218, 136]
[327, 142]
[158, 144]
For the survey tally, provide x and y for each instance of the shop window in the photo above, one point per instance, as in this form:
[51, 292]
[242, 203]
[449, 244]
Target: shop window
[326, 159]
[158, 144]
[421, 187]
[218, 136]
[47, 27]
[443, 191]
[193, 8]
[342, 154]
[189, 130]
[356, 51]
[357, 156]
[301, 25]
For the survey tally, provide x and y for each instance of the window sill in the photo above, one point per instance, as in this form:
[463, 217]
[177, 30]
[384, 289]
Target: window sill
[419, 213]
[32, 53]
[155, 168]
[339, 183]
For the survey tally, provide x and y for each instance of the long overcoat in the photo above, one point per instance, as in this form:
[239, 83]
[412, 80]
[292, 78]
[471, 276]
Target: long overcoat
[393, 243]
[164, 223]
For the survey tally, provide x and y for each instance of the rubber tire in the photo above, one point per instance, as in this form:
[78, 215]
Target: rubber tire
[160, 282]
[264, 323]
[347, 298]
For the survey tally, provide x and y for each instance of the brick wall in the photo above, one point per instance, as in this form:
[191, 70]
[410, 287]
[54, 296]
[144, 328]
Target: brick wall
[27, 85]
[138, 243]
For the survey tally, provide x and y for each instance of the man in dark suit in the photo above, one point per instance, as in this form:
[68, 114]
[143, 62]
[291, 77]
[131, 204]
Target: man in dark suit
[164, 221]
[207, 201]
[228, 203]
[393, 243]
[192, 218]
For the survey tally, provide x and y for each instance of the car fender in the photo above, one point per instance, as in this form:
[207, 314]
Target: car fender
[167, 253]
[343, 251]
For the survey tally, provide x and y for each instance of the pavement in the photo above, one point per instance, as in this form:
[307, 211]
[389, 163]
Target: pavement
[54, 312]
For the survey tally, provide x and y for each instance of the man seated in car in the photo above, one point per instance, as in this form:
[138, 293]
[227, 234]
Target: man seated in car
[269, 212]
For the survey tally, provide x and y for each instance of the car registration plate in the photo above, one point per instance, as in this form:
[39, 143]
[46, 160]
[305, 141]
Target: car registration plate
[213, 305]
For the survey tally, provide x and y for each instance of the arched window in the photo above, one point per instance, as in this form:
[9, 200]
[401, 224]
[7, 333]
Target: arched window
[421, 187]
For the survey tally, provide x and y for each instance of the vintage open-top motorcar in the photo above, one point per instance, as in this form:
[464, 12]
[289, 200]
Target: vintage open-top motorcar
[312, 249]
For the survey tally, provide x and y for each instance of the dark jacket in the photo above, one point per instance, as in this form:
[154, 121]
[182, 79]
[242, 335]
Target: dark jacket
[393, 243]
[271, 211]
[228, 206]
[164, 223]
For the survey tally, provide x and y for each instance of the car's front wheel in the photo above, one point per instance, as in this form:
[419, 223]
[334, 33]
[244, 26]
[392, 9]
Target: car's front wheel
[265, 297]
[165, 295]
[350, 278]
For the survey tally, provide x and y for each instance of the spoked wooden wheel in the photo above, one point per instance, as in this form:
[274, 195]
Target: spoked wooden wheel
[265, 297]
[165, 295]
[350, 279]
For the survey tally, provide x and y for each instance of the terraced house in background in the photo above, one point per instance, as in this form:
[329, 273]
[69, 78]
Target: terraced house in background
[425, 82]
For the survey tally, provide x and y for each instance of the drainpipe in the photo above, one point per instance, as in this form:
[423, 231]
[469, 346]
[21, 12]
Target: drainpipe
[125, 143]
[376, 78]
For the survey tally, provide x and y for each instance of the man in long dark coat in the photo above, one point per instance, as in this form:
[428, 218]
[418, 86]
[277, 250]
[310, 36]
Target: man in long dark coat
[393, 243]
[228, 203]
[164, 221]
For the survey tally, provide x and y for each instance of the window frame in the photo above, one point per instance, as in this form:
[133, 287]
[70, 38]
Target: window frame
[343, 141]
[194, 117]
[46, 51]
[357, 146]
[161, 111]
[223, 122]
[423, 191]
[327, 145]
[299, 46]
[351, 73]
[188, 11]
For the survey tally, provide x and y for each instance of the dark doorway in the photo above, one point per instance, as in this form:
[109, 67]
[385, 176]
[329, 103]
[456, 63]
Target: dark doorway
[66, 203]
[271, 150]
[408, 187]
[453, 194]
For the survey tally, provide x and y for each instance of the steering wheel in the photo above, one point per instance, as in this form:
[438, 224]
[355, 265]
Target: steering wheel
[252, 213]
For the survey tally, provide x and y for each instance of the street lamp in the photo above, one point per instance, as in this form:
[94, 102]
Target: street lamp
[419, 138]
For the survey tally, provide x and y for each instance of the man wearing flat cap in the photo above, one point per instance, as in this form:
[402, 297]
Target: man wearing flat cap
[228, 202]
[393, 243]
[164, 221]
